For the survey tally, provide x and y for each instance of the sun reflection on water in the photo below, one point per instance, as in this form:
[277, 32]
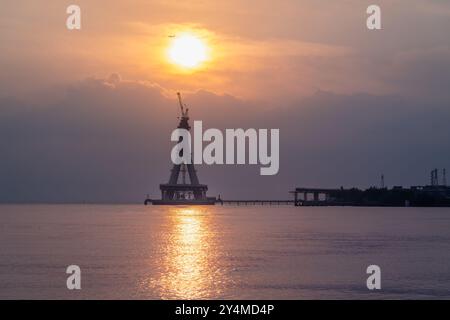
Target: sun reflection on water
[189, 264]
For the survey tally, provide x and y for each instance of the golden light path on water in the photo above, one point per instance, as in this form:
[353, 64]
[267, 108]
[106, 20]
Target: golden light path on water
[189, 266]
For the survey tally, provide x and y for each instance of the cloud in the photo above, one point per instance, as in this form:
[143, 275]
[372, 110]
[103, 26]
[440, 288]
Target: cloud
[108, 140]
[424, 73]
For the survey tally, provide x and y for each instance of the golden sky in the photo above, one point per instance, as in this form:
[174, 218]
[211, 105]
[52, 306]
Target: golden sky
[256, 49]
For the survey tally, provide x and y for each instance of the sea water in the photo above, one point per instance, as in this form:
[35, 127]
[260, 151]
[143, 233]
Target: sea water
[223, 252]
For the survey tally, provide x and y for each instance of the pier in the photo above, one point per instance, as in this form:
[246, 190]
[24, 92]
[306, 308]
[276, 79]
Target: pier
[434, 195]
[320, 196]
[255, 202]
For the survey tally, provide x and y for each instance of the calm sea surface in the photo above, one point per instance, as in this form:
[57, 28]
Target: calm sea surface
[254, 252]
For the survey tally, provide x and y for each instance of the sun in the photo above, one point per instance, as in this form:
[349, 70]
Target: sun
[187, 51]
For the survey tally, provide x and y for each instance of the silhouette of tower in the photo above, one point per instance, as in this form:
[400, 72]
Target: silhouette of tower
[179, 190]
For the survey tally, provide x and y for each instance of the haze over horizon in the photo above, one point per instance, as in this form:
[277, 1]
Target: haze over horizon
[87, 115]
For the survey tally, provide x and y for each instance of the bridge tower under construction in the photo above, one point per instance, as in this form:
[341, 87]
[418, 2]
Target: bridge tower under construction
[183, 186]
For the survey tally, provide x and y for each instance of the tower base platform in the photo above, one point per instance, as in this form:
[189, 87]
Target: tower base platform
[181, 202]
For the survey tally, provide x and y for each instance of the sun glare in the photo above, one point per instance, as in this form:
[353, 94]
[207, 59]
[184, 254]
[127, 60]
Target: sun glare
[187, 51]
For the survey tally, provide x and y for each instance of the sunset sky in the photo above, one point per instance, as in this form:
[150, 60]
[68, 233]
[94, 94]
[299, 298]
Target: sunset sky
[87, 114]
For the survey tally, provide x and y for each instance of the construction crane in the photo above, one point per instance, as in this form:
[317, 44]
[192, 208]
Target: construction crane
[183, 124]
[184, 113]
